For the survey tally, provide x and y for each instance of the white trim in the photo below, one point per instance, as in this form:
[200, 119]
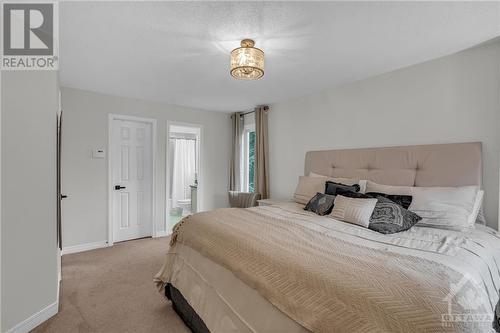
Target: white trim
[1, 294]
[59, 273]
[83, 247]
[110, 182]
[167, 169]
[154, 139]
[59, 278]
[36, 319]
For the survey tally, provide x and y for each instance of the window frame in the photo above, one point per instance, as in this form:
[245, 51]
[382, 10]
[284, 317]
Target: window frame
[245, 170]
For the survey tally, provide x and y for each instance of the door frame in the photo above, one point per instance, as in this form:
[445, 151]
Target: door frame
[112, 117]
[167, 169]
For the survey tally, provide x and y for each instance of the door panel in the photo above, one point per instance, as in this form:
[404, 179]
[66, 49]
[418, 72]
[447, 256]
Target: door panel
[124, 210]
[125, 161]
[132, 173]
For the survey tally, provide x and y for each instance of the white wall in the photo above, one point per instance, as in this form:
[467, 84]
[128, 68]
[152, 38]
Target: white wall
[451, 99]
[85, 126]
[29, 249]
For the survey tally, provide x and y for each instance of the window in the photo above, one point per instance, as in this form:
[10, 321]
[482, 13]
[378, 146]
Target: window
[248, 158]
[251, 160]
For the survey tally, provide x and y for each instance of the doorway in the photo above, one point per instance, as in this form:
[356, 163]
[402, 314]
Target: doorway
[183, 171]
[131, 174]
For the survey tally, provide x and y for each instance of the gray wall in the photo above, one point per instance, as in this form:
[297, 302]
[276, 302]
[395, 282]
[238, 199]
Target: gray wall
[85, 126]
[451, 99]
[29, 250]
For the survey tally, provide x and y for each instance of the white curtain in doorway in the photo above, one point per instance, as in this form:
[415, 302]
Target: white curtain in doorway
[184, 168]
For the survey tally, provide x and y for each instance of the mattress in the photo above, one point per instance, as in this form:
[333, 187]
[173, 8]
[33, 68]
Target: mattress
[224, 302]
[227, 304]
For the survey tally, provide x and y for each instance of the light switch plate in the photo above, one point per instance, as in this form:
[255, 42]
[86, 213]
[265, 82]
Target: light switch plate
[98, 153]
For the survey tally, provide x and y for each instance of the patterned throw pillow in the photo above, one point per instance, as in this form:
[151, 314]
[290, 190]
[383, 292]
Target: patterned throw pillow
[333, 188]
[320, 204]
[402, 200]
[496, 320]
[388, 217]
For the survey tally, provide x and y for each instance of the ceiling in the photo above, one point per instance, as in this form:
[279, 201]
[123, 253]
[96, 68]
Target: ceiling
[178, 52]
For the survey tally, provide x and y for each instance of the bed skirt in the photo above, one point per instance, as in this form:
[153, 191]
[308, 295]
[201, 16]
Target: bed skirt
[184, 310]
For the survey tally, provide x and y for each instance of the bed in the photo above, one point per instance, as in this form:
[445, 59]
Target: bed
[282, 269]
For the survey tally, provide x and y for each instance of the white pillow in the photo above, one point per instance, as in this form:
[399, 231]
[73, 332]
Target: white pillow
[312, 174]
[345, 181]
[308, 187]
[478, 204]
[441, 207]
[353, 210]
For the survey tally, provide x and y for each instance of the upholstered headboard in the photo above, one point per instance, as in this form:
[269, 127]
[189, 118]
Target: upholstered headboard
[456, 164]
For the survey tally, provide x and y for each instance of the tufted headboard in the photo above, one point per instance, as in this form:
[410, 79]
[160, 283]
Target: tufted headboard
[456, 164]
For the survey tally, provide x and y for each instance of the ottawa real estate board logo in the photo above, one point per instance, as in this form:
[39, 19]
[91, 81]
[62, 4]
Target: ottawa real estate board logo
[30, 36]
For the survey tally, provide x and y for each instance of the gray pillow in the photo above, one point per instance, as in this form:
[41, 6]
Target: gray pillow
[320, 204]
[388, 217]
[334, 188]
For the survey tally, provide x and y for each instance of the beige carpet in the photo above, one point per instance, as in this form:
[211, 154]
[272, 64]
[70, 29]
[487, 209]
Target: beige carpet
[111, 290]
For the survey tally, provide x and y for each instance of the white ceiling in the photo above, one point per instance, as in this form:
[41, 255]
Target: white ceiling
[178, 52]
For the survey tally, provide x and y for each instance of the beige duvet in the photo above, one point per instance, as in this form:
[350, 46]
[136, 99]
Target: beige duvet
[329, 276]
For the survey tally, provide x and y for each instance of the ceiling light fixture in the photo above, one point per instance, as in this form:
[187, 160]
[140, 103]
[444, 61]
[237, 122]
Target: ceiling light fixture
[247, 62]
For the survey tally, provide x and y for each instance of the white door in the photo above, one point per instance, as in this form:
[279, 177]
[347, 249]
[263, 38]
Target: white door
[132, 168]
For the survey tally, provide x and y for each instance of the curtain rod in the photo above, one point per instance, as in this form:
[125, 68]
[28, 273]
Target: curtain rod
[253, 111]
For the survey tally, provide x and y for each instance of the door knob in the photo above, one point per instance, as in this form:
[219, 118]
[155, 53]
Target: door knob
[63, 196]
[118, 187]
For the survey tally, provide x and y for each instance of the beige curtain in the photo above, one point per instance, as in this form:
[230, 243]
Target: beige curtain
[261, 174]
[234, 169]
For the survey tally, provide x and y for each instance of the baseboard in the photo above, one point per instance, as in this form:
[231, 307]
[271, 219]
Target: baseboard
[83, 247]
[36, 319]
